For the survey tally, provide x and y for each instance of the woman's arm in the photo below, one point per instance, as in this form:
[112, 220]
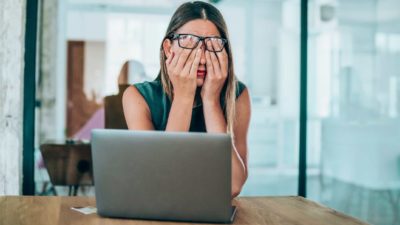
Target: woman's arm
[136, 111]
[138, 116]
[180, 115]
[216, 123]
[240, 129]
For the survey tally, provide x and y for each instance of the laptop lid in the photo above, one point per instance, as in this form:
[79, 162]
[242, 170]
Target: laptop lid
[162, 175]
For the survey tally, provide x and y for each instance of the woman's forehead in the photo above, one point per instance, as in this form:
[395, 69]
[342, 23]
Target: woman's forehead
[200, 27]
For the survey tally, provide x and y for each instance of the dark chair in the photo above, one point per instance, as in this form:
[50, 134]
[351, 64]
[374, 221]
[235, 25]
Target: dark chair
[68, 164]
[114, 112]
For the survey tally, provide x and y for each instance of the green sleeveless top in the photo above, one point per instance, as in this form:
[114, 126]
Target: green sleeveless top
[160, 105]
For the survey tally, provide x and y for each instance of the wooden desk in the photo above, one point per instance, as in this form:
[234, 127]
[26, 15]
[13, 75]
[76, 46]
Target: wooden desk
[17, 210]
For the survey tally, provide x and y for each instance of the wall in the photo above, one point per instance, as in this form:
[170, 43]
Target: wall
[12, 29]
[93, 84]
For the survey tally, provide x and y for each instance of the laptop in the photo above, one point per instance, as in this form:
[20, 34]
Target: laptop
[157, 175]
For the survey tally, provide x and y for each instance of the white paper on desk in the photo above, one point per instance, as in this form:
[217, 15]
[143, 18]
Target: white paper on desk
[85, 210]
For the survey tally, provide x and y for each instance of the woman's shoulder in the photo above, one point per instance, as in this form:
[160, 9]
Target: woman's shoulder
[150, 89]
[240, 87]
[154, 85]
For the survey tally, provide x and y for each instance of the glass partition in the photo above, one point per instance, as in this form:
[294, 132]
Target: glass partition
[354, 93]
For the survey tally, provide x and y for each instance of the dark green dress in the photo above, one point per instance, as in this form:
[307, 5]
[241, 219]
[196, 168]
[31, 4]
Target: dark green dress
[160, 105]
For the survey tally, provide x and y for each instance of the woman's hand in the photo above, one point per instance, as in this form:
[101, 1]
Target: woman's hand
[217, 72]
[182, 71]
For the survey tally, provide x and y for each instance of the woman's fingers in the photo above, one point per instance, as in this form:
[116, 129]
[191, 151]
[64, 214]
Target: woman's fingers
[183, 57]
[214, 46]
[176, 57]
[189, 62]
[216, 65]
[223, 59]
[209, 65]
[169, 59]
[196, 62]
[175, 67]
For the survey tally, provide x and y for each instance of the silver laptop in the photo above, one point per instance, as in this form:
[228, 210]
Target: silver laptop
[157, 175]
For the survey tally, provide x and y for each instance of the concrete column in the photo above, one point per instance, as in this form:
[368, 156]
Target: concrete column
[47, 89]
[12, 34]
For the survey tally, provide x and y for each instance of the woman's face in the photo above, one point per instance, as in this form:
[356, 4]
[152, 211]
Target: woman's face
[199, 27]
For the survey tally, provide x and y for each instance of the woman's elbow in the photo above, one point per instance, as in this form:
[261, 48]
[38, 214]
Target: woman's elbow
[235, 192]
[237, 188]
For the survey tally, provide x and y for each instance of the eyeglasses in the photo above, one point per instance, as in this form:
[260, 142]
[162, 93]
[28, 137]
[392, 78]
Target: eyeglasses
[190, 41]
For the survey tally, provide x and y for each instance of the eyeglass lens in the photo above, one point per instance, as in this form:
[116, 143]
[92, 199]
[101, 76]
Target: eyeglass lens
[211, 43]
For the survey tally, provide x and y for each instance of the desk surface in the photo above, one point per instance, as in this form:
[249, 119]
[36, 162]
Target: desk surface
[18, 210]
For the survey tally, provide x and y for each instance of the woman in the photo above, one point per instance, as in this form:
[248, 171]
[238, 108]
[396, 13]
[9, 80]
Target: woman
[196, 89]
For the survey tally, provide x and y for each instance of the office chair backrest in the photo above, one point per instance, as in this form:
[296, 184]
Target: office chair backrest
[114, 112]
[68, 164]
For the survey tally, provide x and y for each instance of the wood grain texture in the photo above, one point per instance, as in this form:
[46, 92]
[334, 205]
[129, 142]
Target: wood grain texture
[19, 210]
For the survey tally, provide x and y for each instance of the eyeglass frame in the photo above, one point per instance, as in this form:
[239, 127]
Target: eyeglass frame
[174, 36]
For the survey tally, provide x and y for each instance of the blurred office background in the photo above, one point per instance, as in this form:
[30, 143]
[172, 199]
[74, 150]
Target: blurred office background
[353, 152]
